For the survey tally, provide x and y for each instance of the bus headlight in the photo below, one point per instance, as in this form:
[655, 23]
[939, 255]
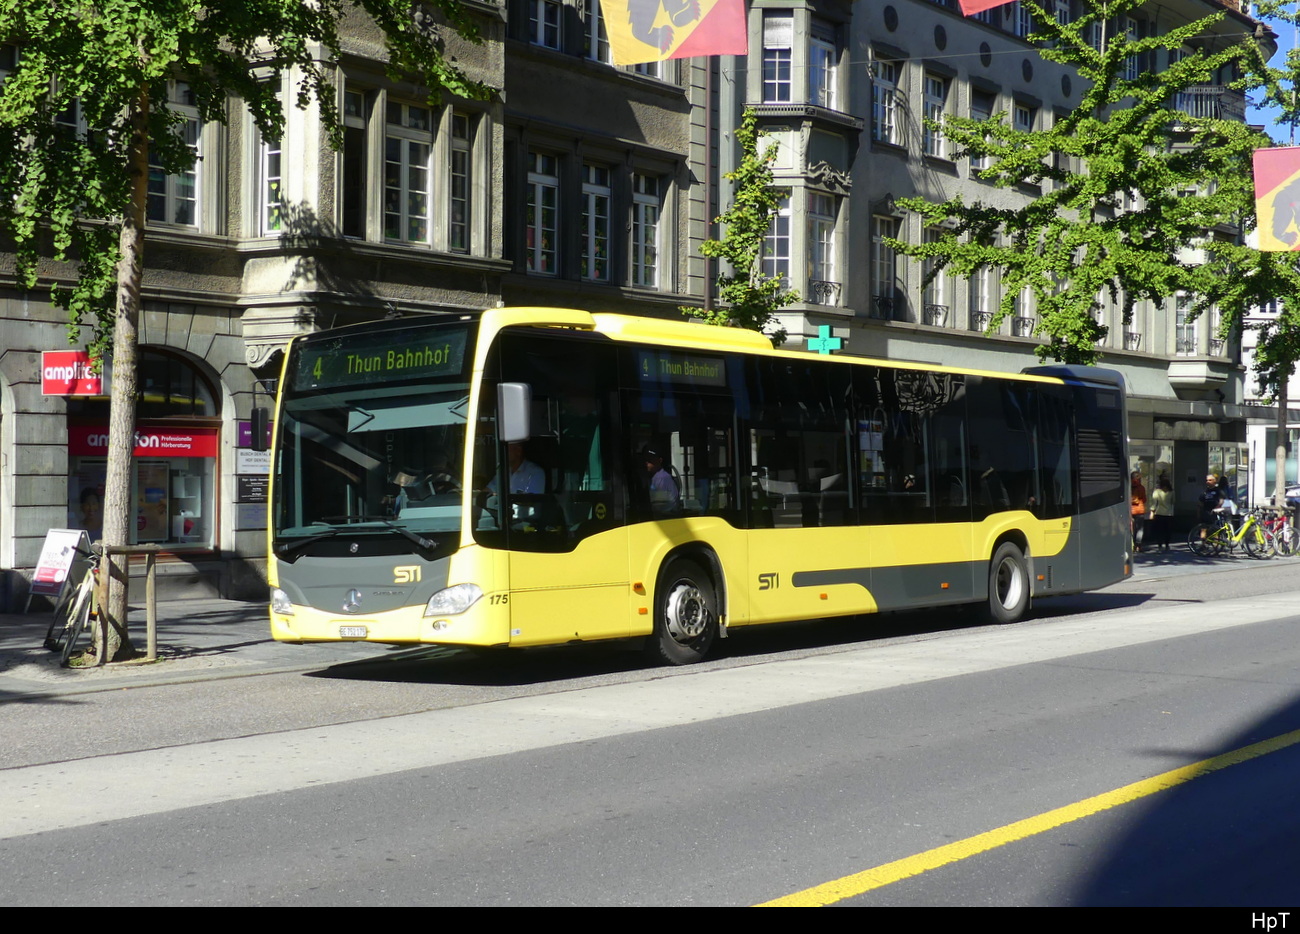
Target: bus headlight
[453, 600]
[280, 603]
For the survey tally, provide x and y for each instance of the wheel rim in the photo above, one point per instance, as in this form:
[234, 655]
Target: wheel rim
[686, 614]
[1009, 585]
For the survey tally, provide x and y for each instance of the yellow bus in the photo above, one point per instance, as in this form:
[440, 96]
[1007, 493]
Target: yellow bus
[537, 476]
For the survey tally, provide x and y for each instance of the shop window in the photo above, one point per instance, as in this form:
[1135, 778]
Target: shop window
[174, 464]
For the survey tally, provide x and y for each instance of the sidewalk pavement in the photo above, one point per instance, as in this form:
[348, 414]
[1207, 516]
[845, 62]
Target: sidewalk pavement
[202, 640]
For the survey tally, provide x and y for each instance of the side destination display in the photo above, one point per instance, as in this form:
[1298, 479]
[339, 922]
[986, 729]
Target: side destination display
[380, 357]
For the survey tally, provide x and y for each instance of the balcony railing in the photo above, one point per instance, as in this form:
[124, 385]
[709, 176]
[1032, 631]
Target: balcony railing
[882, 307]
[980, 320]
[1211, 101]
[1217, 346]
[1132, 340]
[1185, 346]
[936, 315]
[823, 292]
[1022, 326]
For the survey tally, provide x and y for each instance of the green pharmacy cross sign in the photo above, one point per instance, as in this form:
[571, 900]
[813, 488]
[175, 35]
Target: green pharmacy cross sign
[823, 343]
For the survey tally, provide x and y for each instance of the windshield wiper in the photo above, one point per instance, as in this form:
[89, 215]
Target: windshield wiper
[288, 549]
[417, 540]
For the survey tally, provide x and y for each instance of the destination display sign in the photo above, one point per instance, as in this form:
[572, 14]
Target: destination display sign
[682, 368]
[380, 357]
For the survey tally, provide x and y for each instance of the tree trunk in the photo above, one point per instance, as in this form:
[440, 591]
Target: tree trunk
[112, 641]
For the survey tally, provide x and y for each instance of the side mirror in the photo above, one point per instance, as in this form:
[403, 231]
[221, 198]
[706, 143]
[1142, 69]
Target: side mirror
[514, 405]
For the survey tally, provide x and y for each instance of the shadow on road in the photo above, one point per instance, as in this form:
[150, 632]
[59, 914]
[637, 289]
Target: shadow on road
[745, 646]
[1226, 838]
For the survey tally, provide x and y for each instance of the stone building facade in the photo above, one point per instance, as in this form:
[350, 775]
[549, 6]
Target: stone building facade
[579, 184]
[844, 89]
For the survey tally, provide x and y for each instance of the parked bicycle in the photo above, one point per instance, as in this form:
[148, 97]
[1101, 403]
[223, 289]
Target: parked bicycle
[74, 613]
[1281, 526]
[1219, 537]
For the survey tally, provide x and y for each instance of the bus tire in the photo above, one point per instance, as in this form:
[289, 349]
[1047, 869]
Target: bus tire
[686, 615]
[1008, 584]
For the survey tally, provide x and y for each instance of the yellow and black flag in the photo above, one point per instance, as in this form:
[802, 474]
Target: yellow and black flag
[1277, 198]
[653, 30]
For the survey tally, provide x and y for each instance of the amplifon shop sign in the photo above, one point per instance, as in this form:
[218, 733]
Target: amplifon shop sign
[70, 373]
[92, 441]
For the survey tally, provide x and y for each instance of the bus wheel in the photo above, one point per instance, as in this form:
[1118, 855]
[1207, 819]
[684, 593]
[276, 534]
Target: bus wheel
[1008, 584]
[686, 615]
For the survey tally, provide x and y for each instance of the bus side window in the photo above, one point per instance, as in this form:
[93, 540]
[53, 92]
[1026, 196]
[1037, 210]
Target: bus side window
[1055, 422]
[799, 444]
[1003, 449]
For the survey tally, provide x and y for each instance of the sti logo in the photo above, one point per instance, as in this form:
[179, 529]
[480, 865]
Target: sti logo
[769, 581]
[406, 574]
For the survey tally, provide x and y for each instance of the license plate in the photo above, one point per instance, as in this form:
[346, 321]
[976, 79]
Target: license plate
[352, 632]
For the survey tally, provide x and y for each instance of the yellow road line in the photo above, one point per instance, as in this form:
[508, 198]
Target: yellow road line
[830, 892]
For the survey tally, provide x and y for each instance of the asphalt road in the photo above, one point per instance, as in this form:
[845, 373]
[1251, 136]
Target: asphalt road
[808, 754]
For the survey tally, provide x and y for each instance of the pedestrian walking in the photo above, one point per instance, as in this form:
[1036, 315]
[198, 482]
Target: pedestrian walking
[1162, 513]
[1209, 500]
[1137, 508]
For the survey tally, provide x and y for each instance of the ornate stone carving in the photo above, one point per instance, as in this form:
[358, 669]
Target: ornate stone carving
[830, 178]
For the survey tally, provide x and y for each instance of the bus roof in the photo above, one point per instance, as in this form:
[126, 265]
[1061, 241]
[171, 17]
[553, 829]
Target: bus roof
[698, 336]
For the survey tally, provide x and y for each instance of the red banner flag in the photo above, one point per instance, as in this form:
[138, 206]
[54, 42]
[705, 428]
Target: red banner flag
[1277, 198]
[971, 7]
[653, 30]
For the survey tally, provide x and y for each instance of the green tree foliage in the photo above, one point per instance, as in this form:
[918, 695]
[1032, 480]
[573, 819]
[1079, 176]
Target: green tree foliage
[1241, 279]
[89, 71]
[747, 297]
[1108, 210]
[86, 115]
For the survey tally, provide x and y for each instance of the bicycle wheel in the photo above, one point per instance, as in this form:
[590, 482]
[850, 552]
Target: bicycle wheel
[1257, 542]
[78, 624]
[54, 635]
[1203, 541]
[1284, 539]
[59, 625]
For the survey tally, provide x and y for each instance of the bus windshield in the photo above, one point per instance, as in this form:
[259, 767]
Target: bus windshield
[372, 455]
